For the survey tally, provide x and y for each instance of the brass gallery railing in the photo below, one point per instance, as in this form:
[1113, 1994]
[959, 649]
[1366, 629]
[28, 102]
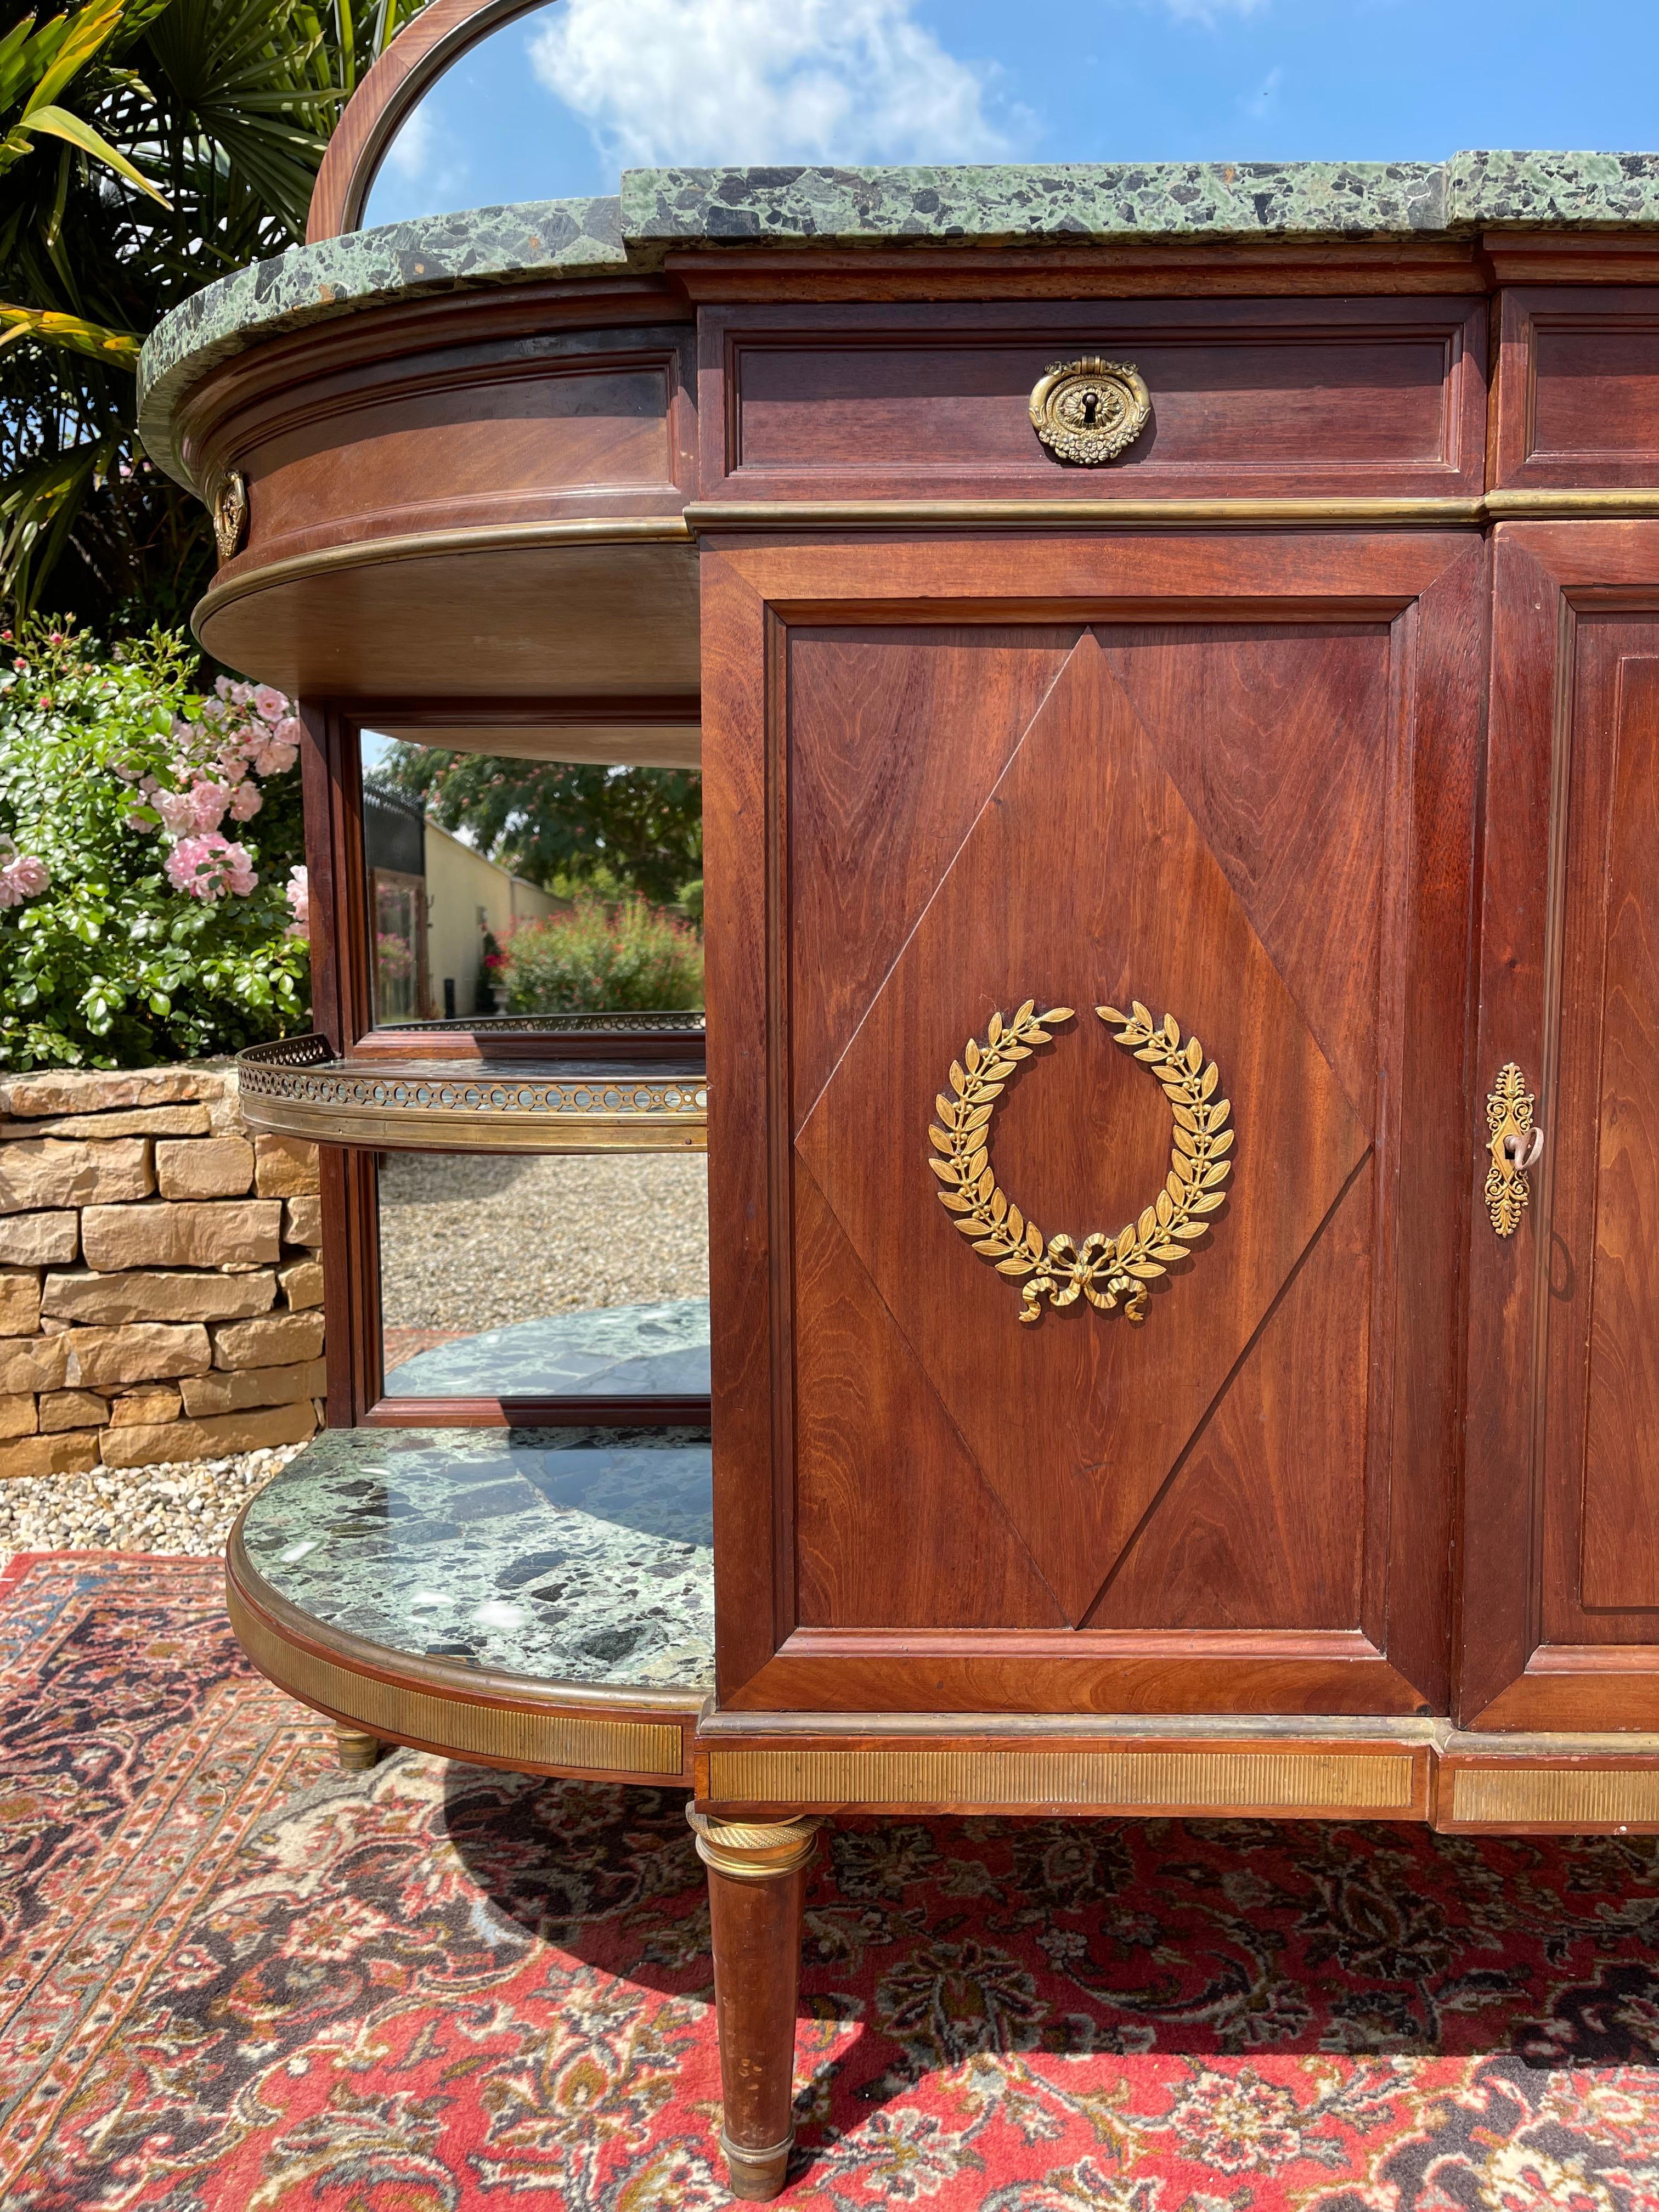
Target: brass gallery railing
[297, 1087]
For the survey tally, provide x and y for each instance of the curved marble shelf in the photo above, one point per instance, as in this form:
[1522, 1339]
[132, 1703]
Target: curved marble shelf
[538, 1599]
[298, 1088]
[652, 1350]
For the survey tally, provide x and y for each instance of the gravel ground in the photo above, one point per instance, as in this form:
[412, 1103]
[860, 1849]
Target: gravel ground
[469, 1241]
[185, 1506]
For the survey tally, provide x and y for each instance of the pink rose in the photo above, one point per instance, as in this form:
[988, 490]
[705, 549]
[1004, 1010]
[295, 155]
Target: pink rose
[269, 703]
[208, 802]
[289, 730]
[239, 871]
[177, 811]
[204, 866]
[22, 877]
[246, 801]
[190, 867]
[269, 756]
[298, 894]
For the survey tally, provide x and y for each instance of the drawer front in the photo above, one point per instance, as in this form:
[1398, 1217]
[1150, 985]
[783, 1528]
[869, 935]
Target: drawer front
[1578, 388]
[1263, 399]
[483, 432]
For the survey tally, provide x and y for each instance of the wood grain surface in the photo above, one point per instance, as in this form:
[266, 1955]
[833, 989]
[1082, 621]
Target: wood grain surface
[926, 808]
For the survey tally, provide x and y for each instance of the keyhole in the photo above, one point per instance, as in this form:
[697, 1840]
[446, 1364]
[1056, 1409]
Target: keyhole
[1090, 402]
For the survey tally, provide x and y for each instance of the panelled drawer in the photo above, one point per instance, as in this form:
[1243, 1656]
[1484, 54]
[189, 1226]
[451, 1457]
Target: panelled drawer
[1277, 399]
[1578, 388]
[385, 432]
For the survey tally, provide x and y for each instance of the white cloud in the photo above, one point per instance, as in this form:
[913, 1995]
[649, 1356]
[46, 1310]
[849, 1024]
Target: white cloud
[1205, 11]
[717, 82]
[424, 160]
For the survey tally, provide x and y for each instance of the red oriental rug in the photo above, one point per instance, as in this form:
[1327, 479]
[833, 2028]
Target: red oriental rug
[235, 1979]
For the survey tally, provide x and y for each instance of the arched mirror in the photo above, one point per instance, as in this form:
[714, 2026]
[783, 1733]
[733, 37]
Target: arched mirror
[491, 131]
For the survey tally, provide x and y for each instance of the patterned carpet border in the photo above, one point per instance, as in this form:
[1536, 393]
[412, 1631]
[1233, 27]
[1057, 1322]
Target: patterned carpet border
[235, 1979]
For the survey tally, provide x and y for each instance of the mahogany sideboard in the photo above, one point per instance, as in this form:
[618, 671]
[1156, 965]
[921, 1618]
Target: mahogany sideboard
[1174, 659]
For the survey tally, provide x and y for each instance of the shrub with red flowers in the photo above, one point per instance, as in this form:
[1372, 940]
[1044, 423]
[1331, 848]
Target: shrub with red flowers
[133, 928]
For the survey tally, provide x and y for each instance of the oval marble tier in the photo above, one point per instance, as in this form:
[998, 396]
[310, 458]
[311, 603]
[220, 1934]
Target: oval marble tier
[297, 1088]
[539, 1600]
[463, 462]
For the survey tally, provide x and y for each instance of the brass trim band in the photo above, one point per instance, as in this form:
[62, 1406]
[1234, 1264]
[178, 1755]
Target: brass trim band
[1105, 512]
[432, 544]
[1578, 1797]
[531, 1741]
[299, 1089]
[1001, 1779]
[772, 515]
[421, 1130]
[1108, 511]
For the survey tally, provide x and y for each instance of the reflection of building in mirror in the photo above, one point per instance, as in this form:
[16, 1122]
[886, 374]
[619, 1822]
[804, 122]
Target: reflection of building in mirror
[433, 901]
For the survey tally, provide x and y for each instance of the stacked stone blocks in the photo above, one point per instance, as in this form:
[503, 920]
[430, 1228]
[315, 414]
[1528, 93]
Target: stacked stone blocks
[160, 1281]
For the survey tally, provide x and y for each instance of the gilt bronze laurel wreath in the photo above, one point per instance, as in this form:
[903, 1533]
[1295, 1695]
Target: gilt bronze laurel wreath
[1102, 1269]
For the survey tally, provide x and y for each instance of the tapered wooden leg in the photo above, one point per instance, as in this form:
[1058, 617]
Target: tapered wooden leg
[356, 1750]
[756, 1880]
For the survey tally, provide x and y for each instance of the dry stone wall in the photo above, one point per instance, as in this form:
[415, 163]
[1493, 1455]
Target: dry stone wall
[160, 1281]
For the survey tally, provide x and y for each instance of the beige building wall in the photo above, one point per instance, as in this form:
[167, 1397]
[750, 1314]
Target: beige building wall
[466, 894]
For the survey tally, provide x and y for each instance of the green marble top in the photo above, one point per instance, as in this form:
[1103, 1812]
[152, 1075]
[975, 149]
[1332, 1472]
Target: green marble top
[569, 1555]
[1064, 202]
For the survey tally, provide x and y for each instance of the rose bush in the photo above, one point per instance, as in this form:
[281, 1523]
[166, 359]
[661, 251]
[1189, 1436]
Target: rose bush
[132, 928]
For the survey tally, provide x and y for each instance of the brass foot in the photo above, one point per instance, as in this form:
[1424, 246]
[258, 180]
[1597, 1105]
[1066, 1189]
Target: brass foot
[756, 2175]
[356, 1750]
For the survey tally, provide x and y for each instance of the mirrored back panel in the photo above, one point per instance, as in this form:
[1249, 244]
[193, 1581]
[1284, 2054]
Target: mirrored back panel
[538, 1276]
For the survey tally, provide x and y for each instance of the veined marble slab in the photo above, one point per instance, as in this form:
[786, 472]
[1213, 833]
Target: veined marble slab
[579, 1555]
[1066, 203]
[612, 1352]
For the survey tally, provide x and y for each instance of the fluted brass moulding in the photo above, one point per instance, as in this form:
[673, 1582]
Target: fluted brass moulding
[752, 1851]
[1383, 1782]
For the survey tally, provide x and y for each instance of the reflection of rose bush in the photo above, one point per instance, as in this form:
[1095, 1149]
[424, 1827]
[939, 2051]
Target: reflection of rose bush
[393, 958]
[132, 928]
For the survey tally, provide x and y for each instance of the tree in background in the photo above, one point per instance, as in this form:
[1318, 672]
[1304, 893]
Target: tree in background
[566, 825]
[150, 146]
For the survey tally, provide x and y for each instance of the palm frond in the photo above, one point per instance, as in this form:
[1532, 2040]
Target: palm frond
[71, 331]
[146, 147]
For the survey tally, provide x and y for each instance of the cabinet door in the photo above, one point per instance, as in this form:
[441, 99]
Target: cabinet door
[1228, 780]
[1561, 1548]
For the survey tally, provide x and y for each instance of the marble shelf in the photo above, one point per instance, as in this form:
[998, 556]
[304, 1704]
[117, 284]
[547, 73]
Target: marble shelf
[541, 1599]
[560, 1555]
[610, 1352]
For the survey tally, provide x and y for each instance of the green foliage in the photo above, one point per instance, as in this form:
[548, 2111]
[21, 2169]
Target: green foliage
[612, 830]
[218, 109]
[600, 959]
[112, 964]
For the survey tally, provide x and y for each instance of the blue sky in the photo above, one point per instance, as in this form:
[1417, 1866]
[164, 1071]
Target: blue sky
[560, 101]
